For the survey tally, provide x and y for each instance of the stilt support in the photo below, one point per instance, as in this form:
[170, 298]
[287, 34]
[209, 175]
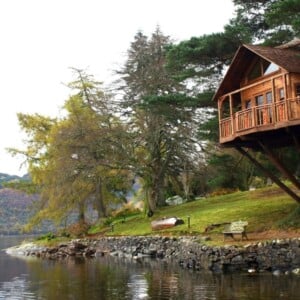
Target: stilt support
[279, 165]
[269, 174]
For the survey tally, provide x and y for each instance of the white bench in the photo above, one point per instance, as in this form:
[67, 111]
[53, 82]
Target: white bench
[238, 227]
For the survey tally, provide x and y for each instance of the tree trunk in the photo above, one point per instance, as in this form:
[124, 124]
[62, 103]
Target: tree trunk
[99, 199]
[81, 217]
[151, 204]
[159, 191]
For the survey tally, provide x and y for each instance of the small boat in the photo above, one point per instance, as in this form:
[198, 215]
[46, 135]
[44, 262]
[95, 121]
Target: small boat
[166, 223]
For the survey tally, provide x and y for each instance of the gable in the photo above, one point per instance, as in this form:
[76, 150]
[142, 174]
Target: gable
[260, 67]
[285, 58]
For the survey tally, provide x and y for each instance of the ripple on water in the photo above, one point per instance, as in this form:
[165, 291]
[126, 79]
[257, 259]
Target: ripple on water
[138, 287]
[17, 288]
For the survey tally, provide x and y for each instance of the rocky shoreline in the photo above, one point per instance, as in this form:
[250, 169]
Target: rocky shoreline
[281, 256]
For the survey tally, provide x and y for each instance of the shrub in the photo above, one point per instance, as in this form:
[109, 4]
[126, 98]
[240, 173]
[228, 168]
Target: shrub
[47, 237]
[78, 229]
[126, 210]
[223, 191]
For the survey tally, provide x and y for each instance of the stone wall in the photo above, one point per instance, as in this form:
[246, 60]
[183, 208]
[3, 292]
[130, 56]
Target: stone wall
[276, 256]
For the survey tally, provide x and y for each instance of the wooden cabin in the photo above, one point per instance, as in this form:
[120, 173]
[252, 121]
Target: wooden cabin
[259, 97]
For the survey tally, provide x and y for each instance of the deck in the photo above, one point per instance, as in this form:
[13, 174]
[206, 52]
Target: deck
[259, 119]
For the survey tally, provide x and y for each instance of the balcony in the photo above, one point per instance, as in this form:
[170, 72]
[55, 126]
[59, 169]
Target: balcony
[259, 119]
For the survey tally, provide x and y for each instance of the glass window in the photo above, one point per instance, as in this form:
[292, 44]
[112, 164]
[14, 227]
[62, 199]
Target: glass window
[269, 116]
[269, 97]
[262, 67]
[298, 90]
[281, 94]
[259, 100]
[255, 71]
[271, 68]
[248, 104]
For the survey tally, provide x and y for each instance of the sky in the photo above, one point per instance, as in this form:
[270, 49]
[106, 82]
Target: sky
[42, 39]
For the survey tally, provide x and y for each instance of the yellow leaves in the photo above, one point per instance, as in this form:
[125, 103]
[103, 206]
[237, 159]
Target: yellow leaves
[36, 126]
[67, 156]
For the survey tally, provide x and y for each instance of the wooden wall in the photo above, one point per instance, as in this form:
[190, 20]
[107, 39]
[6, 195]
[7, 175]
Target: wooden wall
[295, 79]
[273, 84]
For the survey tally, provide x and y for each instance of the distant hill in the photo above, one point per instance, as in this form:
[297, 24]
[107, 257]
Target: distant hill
[16, 207]
[4, 178]
[15, 210]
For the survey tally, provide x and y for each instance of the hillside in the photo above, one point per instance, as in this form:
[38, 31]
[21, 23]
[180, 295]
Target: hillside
[5, 178]
[15, 209]
[269, 212]
[15, 206]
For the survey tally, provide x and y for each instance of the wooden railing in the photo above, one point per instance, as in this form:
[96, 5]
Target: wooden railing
[226, 127]
[248, 120]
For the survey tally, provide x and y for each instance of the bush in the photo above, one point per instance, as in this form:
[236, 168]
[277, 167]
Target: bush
[46, 237]
[108, 221]
[126, 210]
[77, 229]
[257, 182]
[223, 191]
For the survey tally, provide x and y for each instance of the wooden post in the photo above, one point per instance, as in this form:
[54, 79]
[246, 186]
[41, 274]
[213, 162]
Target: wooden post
[273, 91]
[286, 97]
[269, 174]
[220, 102]
[231, 115]
[254, 116]
[273, 101]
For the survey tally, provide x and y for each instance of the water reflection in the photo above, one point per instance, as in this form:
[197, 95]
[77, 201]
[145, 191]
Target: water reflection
[17, 288]
[112, 278]
[138, 287]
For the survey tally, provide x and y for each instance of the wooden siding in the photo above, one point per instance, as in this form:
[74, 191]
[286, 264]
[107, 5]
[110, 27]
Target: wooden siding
[295, 80]
[257, 103]
[278, 106]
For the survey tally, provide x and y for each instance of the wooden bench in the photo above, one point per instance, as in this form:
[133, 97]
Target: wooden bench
[238, 227]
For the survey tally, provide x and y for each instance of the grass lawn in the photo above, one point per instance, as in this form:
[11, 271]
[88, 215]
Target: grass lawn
[267, 210]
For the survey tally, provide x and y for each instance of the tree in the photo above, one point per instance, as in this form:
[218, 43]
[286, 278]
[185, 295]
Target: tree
[250, 17]
[201, 61]
[158, 113]
[76, 160]
[272, 22]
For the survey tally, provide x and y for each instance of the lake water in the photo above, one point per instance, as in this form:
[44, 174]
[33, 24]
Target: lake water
[109, 278]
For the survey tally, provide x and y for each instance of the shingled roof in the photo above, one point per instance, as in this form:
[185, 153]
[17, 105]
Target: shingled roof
[287, 58]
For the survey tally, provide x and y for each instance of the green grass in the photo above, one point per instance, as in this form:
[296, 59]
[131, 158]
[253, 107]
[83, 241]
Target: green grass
[264, 209]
